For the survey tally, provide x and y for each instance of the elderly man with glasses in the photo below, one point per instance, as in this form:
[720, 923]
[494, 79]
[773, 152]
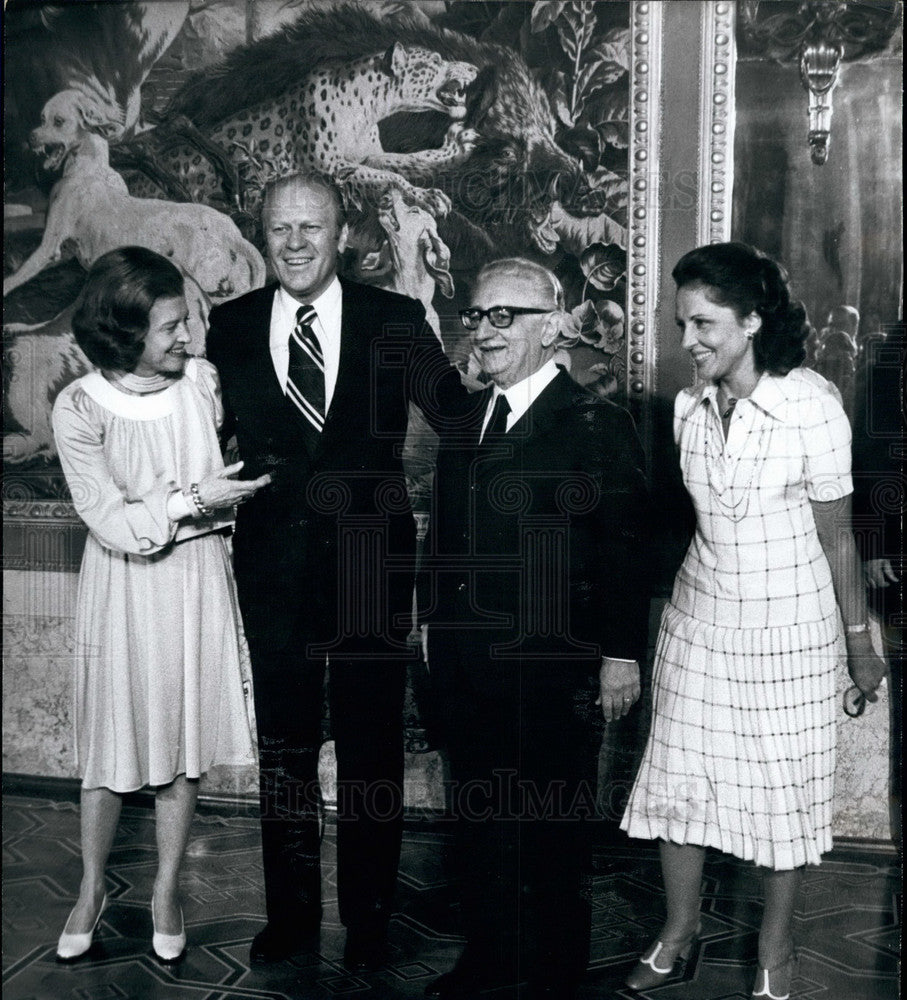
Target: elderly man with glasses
[537, 614]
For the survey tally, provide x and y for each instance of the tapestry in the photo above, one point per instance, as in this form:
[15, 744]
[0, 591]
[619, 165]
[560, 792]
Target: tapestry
[458, 131]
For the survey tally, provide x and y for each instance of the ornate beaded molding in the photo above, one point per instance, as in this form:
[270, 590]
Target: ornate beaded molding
[41, 534]
[643, 249]
[25, 498]
[716, 122]
[41, 511]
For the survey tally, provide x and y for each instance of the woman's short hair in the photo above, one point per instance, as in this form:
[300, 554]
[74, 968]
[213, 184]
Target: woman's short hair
[111, 321]
[747, 280]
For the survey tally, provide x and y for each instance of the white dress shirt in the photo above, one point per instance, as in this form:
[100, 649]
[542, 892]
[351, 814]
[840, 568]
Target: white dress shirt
[328, 308]
[521, 395]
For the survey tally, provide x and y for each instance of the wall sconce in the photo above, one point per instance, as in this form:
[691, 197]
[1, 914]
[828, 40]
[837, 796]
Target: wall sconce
[817, 35]
[819, 74]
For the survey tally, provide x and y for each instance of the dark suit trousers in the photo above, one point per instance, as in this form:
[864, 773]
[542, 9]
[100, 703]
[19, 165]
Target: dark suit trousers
[523, 746]
[366, 704]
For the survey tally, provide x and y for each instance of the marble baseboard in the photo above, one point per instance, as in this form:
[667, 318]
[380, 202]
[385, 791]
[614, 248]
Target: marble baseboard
[423, 783]
[38, 629]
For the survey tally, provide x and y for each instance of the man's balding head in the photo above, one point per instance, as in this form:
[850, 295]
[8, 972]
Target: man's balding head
[527, 271]
[846, 318]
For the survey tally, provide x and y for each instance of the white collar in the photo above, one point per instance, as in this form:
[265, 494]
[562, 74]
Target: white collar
[151, 407]
[523, 394]
[772, 393]
[328, 303]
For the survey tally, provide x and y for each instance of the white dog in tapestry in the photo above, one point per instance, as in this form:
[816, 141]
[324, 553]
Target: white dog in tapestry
[91, 210]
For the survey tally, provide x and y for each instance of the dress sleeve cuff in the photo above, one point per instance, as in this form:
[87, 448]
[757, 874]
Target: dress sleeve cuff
[179, 507]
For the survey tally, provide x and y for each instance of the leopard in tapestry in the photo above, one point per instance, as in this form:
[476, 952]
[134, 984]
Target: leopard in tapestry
[452, 121]
[330, 120]
[460, 135]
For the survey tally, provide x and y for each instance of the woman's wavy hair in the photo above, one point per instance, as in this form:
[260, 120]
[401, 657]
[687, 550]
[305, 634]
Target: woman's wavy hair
[111, 321]
[747, 280]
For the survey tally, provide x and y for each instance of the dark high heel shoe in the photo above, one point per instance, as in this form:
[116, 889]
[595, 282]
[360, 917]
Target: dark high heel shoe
[656, 965]
[71, 947]
[778, 978]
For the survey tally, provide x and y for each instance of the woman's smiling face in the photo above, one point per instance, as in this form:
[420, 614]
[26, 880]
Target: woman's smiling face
[164, 348]
[720, 343]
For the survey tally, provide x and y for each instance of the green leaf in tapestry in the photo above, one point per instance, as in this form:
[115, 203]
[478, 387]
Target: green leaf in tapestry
[544, 13]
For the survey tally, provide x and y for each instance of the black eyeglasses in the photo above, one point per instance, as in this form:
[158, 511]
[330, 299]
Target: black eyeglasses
[499, 316]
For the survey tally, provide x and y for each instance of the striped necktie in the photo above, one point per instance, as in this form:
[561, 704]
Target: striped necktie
[305, 374]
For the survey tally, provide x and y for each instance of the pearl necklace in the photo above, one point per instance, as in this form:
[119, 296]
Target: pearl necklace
[721, 470]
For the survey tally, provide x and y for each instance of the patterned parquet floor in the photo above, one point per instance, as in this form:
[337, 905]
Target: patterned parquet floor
[847, 923]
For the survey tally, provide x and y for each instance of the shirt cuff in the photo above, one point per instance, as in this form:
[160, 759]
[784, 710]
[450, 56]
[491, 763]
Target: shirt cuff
[619, 659]
[179, 507]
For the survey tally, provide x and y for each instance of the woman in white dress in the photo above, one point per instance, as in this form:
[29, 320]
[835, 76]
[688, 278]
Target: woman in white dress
[741, 754]
[158, 687]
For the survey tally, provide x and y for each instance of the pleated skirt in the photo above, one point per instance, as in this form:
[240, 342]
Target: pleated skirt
[158, 675]
[741, 752]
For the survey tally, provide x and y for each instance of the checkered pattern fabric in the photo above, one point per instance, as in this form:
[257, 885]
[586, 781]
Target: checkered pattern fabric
[741, 752]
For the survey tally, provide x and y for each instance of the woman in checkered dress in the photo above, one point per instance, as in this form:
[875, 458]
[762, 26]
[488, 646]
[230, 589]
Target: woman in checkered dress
[741, 754]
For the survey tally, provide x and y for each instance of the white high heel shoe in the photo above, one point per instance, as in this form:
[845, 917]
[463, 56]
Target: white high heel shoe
[646, 975]
[168, 948]
[73, 946]
[782, 976]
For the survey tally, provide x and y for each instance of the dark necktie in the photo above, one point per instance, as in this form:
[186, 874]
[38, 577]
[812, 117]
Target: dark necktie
[305, 374]
[497, 426]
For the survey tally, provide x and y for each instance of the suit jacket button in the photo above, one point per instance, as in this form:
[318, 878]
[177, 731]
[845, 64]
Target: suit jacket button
[461, 587]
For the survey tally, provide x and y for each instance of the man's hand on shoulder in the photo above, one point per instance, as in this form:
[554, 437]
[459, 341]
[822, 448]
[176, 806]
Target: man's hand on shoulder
[619, 687]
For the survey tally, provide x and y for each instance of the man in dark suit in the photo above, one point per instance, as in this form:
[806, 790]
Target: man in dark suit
[537, 613]
[317, 375]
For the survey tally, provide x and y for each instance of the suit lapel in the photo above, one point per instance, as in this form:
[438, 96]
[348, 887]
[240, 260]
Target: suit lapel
[481, 410]
[537, 420]
[259, 369]
[354, 364]
[262, 366]
[535, 423]
[351, 391]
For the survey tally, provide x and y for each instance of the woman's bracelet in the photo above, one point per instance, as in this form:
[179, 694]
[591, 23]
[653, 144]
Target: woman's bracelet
[856, 629]
[197, 500]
